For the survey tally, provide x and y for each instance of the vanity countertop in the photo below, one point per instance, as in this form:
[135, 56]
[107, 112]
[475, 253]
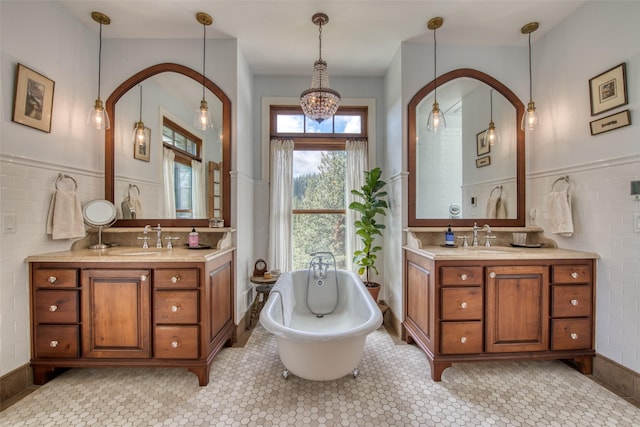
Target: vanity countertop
[500, 253]
[131, 255]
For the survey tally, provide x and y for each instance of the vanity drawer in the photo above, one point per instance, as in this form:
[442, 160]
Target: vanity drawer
[176, 342]
[56, 306]
[571, 301]
[55, 278]
[176, 278]
[570, 334]
[462, 303]
[56, 341]
[461, 337]
[577, 273]
[175, 306]
[461, 275]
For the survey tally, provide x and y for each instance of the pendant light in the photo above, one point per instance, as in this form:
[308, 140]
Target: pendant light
[320, 102]
[140, 133]
[202, 118]
[98, 117]
[436, 120]
[530, 118]
[491, 136]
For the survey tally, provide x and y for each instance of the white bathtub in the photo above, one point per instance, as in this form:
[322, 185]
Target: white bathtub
[324, 348]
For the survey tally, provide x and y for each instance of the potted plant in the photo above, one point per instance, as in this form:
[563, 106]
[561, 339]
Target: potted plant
[368, 228]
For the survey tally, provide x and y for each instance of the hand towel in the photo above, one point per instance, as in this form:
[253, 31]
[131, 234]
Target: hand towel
[137, 207]
[64, 220]
[496, 208]
[284, 290]
[560, 212]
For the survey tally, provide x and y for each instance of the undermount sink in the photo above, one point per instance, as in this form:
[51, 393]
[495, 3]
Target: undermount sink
[137, 251]
[489, 250]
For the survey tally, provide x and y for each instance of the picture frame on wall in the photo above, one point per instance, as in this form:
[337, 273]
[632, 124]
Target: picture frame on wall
[33, 99]
[483, 161]
[614, 121]
[608, 90]
[482, 146]
[143, 151]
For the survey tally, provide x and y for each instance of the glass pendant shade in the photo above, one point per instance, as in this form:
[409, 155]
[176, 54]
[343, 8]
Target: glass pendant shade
[436, 120]
[530, 118]
[141, 135]
[98, 117]
[202, 118]
[492, 136]
[320, 102]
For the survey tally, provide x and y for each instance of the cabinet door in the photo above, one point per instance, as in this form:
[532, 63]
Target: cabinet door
[219, 288]
[116, 321]
[517, 306]
[419, 295]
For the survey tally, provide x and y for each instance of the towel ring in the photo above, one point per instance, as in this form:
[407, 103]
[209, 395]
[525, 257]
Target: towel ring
[562, 178]
[129, 190]
[62, 176]
[497, 187]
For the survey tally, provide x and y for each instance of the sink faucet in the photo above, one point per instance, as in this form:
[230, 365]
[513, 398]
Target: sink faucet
[159, 234]
[488, 237]
[475, 234]
[145, 245]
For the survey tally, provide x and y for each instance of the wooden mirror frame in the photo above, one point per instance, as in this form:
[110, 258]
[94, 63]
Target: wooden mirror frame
[109, 144]
[519, 221]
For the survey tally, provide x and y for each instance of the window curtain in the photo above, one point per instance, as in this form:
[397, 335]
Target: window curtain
[168, 172]
[357, 164]
[198, 193]
[280, 255]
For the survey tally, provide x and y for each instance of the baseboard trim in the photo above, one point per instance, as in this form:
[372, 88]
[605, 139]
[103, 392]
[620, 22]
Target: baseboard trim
[621, 380]
[15, 382]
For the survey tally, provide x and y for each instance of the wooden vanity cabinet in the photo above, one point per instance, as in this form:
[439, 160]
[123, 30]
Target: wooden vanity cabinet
[154, 314]
[481, 310]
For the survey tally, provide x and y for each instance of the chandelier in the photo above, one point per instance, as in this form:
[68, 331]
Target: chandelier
[320, 102]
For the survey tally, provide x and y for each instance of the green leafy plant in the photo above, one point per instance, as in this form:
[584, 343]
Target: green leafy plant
[367, 227]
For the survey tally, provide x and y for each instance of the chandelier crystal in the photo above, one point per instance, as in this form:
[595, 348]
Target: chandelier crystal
[320, 102]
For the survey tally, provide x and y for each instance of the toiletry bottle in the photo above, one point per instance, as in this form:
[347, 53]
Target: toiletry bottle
[448, 237]
[193, 238]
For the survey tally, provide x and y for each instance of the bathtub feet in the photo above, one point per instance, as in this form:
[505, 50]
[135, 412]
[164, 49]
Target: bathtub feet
[285, 374]
[356, 372]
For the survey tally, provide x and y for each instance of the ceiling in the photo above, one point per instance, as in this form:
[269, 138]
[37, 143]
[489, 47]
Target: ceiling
[277, 37]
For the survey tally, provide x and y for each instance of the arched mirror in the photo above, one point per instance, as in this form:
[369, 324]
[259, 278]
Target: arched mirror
[151, 186]
[455, 177]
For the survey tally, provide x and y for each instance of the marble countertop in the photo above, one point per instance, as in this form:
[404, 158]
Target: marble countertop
[500, 253]
[131, 254]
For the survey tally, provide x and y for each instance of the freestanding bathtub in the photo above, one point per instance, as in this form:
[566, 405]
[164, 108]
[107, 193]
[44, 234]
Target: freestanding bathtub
[320, 347]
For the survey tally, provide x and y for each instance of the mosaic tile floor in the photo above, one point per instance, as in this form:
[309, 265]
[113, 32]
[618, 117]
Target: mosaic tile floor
[393, 389]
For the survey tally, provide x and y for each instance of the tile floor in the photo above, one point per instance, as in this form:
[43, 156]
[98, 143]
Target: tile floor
[393, 389]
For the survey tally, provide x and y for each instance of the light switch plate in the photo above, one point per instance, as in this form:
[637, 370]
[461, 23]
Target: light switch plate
[636, 222]
[8, 223]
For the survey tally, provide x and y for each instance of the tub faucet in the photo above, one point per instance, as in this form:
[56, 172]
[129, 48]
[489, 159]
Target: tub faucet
[319, 265]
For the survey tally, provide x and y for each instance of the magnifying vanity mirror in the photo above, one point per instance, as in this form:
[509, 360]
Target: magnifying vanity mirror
[455, 176]
[182, 177]
[99, 214]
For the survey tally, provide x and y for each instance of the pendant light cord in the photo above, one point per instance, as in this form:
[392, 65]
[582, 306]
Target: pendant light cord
[530, 82]
[99, 60]
[491, 103]
[140, 102]
[204, 53]
[435, 62]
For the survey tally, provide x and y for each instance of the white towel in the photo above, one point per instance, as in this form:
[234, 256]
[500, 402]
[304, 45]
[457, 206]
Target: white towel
[560, 211]
[136, 206]
[64, 220]
[284, 289]
[496, 208]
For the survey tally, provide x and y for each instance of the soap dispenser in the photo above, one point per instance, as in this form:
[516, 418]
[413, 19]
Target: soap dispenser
[449, 239]
[193, 238]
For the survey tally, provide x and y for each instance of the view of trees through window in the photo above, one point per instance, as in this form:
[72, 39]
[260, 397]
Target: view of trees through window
[318, 205]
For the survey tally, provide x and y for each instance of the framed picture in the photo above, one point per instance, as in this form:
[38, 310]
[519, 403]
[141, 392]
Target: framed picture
[608, 90]
[482, 147]
[614, 121]
[483, 161]
[143, 151]
[33, 99]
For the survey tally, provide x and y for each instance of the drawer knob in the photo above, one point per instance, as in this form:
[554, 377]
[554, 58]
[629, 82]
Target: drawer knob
[175, 279]
[52, 279]
[574, 302]
[143, 278]
[574, 275]
[463, 305]
[573, 336]
[463, 340]
[53, 307]
[175, 307]
[54, 343]
[492, 274]
[174, 344]
[463, 276]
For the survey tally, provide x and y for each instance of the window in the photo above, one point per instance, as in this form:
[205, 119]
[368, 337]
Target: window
[319, 174]
[186, 147]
